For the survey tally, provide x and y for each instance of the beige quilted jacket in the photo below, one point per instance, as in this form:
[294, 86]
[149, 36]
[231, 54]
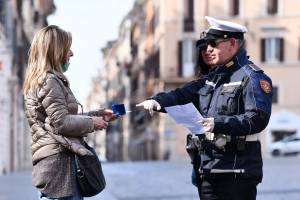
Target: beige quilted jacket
[52, 112]
[57, 129]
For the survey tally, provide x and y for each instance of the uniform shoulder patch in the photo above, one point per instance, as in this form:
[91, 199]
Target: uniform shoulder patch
[265, 86]
[255, 68]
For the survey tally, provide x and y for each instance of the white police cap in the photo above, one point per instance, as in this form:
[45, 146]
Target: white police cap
[220, 29]
[224, 29]
[225, 25]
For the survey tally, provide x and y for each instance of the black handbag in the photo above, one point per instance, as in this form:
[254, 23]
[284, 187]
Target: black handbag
[89, 174]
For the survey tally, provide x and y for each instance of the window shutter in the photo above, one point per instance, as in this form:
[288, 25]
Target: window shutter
[263, 50]
[179, 57]
[236, 6]
[195, 51]
[275, 6]
[299, 49]
[191, 9]
[275, 94]
[281, 49]
[272, 7]
[195, 57]
[188, 22]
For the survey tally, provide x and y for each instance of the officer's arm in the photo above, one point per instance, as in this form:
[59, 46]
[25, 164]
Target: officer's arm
[186, 94]
[257, 96]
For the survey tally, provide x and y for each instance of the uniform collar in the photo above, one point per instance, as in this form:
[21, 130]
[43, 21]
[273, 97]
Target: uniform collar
[239, 60]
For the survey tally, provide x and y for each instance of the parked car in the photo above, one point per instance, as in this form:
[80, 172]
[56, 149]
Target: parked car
[287, 146]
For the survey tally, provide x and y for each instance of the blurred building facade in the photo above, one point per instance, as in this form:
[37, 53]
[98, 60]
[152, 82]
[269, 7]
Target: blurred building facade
[19, 19]
[155, 51]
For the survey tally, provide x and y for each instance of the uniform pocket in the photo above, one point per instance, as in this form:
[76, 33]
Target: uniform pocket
[205, 95]
[229, 100]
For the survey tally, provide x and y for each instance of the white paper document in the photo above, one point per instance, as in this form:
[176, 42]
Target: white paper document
[188, 116]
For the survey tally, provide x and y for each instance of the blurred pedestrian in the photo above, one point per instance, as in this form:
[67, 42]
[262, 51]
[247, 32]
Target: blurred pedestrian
[52, 112]
[235, 99]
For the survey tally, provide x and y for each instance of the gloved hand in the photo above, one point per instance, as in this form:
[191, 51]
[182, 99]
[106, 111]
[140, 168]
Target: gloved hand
[208, 124]
[150, 105]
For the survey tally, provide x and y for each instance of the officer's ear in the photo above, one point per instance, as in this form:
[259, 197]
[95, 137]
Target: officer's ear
[234, 43]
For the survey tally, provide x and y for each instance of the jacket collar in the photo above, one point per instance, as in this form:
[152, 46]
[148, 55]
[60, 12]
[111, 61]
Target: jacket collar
[61, 76]
[239, 60]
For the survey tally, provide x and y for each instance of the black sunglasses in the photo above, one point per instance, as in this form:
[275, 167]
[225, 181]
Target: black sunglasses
[212, 43]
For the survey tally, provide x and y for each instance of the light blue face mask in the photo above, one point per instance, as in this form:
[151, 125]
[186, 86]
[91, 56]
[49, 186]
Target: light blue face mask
[65, 66]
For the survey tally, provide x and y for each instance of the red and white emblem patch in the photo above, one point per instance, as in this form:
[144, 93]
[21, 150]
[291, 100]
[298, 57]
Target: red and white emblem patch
[265, 86]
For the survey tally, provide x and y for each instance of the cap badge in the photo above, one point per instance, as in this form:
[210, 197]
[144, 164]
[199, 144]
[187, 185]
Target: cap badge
[225, 36]
[265, 86]
[229, 64]
[203, 35]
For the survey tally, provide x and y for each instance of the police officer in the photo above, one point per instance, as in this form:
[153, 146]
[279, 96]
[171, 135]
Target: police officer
[235, 99]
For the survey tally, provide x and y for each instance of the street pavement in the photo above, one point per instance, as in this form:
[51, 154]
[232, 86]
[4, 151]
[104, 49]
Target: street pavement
[164, 181]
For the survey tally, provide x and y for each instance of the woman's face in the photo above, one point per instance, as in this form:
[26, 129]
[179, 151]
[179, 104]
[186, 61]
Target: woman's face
[69, 55]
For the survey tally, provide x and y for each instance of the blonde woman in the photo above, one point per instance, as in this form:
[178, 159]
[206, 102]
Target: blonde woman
[51, 109]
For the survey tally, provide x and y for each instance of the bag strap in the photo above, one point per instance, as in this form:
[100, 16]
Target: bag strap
[79, 171]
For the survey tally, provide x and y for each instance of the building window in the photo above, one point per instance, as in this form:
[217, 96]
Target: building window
[272, 7]
[151, 25]
[187, 59]
[36, 17]
[156, 17]
[234, 7]
[134, 37]
[134, 84]
[275, 95]
[188, 21]
[299, 49]
[272, 50]
[2, 12]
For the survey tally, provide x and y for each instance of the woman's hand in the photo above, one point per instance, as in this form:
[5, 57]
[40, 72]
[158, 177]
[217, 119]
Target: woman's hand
[108, 115]
[99, 123]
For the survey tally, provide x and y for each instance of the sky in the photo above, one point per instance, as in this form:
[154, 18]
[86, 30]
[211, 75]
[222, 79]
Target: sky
[92, 23]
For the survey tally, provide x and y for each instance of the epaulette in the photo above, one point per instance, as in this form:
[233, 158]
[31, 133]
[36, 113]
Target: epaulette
[255, 68]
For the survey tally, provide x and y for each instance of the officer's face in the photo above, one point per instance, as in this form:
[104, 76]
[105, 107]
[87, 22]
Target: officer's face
[219, 52]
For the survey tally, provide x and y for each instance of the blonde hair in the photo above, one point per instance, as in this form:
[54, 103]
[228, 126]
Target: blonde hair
[48, 51]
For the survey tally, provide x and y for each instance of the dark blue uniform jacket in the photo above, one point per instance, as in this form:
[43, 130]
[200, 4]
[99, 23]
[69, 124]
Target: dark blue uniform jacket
[238, 96]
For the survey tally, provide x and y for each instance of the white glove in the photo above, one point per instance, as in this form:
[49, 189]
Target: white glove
[150, 105]
[208, 124]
